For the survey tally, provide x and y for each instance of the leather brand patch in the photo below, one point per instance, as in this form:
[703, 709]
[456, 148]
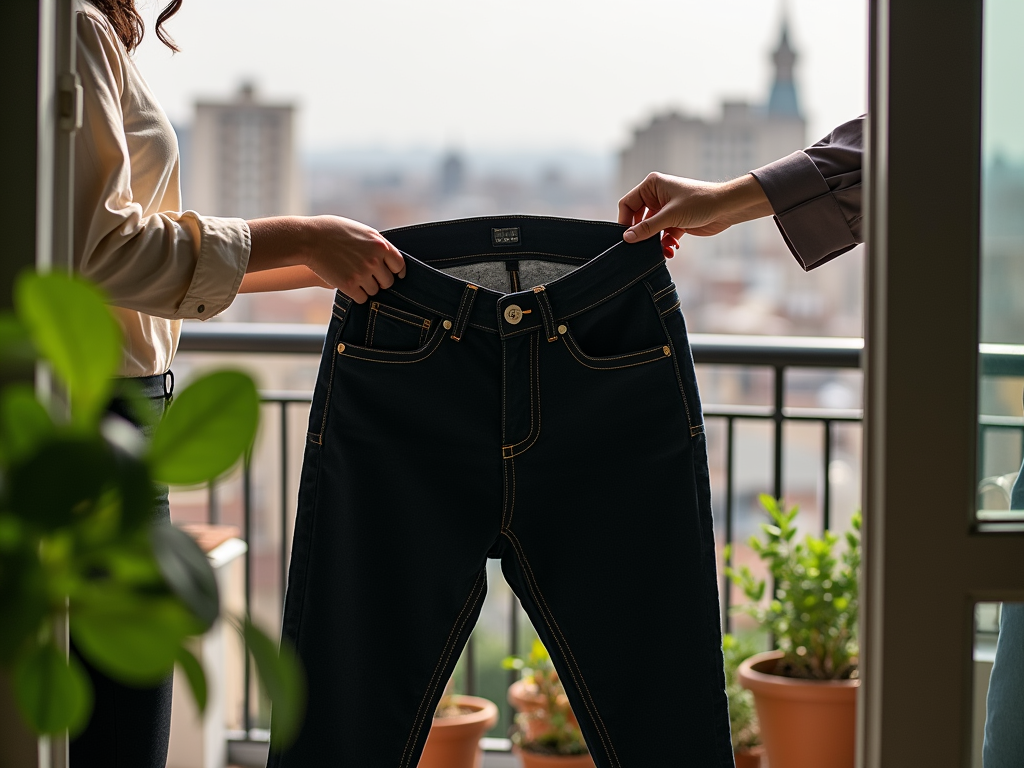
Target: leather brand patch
[503, 236]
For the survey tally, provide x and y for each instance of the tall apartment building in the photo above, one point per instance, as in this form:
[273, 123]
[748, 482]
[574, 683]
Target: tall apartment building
[242, 158]
[744, 280]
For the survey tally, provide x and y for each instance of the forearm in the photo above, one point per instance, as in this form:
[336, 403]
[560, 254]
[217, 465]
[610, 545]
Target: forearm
[281, 242]
[743, 199]
[281, 279]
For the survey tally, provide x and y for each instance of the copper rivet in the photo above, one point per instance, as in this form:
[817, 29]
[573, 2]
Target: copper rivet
[562, 329]
[341, 348]
[447, 325]
[666, 350]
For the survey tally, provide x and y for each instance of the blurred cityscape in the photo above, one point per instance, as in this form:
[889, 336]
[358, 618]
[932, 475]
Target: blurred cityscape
[239, 158]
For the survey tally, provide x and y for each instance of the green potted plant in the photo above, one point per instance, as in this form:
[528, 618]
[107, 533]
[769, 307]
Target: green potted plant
[77, 546]
[746, 733]
[806, 691]
[547, 733]
[459, 723]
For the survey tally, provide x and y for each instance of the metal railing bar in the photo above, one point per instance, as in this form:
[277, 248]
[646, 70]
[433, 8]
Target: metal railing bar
[776, 351]
[790, 413]
[513, 633]
[212, 509]
[470, 667]
[247, 515]
[286, 396]
[707, 348]
[777, 417]
[826, 485]
[283, 565]
[1008, 422]
[730, 431]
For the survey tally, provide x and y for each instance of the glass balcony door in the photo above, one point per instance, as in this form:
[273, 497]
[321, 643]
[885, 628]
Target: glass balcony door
[928, 558]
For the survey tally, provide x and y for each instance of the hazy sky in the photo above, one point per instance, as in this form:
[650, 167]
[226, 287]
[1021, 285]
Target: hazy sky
[488, 75]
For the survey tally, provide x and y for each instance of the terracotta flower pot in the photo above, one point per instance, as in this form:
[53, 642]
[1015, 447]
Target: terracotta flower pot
[535, 760]
[523, 699]
[454, 742]
[749, 758]
[804, 723]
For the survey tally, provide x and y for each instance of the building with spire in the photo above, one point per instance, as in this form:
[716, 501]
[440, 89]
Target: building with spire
[744, 280]
[743, 137]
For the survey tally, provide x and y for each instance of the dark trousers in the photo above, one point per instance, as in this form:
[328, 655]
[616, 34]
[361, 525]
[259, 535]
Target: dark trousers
[130, 727]
[557, 428]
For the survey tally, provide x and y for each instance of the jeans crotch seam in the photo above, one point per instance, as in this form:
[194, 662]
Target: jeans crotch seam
[567, 654]
[546, 313]
[675, 364]
[508, 507]
[465, 310]
[510, 450]
[446, 652]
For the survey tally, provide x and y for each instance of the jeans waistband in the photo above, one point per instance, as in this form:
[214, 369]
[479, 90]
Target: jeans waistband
[157, 387]
[607, 265]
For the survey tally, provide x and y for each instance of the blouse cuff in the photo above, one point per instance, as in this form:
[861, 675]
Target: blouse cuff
[808, 216]
[223, 257]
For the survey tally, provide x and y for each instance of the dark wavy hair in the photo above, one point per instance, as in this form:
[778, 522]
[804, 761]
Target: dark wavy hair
[128, 23]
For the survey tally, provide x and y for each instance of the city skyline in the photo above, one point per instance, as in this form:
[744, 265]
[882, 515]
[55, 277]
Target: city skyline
[550, 75]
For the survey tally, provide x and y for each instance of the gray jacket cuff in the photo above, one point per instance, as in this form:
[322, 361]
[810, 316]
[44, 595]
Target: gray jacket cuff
[806, 212]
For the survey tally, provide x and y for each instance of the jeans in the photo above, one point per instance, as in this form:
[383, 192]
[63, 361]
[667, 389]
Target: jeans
[464, 414]
[1004, 724]
[130, 727]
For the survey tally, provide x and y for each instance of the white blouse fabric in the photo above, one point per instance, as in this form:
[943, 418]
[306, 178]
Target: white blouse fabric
[157, 264]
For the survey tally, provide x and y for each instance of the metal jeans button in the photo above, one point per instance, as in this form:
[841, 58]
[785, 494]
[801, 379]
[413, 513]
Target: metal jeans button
[513, 314]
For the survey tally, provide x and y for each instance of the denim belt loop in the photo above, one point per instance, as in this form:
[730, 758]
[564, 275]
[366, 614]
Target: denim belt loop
[465, 310]
[169, 386]
[547, 315]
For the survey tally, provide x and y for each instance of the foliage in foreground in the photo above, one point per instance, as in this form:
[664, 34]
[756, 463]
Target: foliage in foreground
[551, 729]
[746, 732]
[77, 500]
[813, 612]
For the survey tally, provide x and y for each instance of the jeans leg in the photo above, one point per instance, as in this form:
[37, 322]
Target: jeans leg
[1004, 723]
[130, 727]
[1004, 726]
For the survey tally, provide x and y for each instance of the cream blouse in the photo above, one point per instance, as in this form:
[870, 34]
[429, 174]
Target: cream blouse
[157, 264]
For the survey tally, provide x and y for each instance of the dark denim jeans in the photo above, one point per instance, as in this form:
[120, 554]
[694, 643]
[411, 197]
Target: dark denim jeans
[459, 417]
[130, 727]
[1004, 723]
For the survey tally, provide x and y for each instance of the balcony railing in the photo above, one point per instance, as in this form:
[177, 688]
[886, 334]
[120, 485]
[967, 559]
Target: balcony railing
[776, 355]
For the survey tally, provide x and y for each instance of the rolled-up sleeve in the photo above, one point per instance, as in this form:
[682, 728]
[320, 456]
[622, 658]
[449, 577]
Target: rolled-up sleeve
[816, 195]
[146, 254]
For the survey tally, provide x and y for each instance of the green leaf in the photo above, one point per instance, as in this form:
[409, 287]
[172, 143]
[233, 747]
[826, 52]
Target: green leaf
[72, 328]
[134, 639]
[194, 674]
[187, 571]
[52, 694]
[16, 350]
[24, 423]
[283, 681]
[23, 600]
[209, 426]
[60, 482]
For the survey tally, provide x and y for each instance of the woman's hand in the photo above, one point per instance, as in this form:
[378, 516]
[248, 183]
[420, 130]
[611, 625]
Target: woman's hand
[344, 254]
[677, 206]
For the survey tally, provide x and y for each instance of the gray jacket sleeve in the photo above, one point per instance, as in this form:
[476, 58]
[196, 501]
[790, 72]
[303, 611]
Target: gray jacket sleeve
[816, 195]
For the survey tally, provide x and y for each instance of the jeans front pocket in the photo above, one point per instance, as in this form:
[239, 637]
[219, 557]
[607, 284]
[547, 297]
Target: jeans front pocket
[391, 328]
